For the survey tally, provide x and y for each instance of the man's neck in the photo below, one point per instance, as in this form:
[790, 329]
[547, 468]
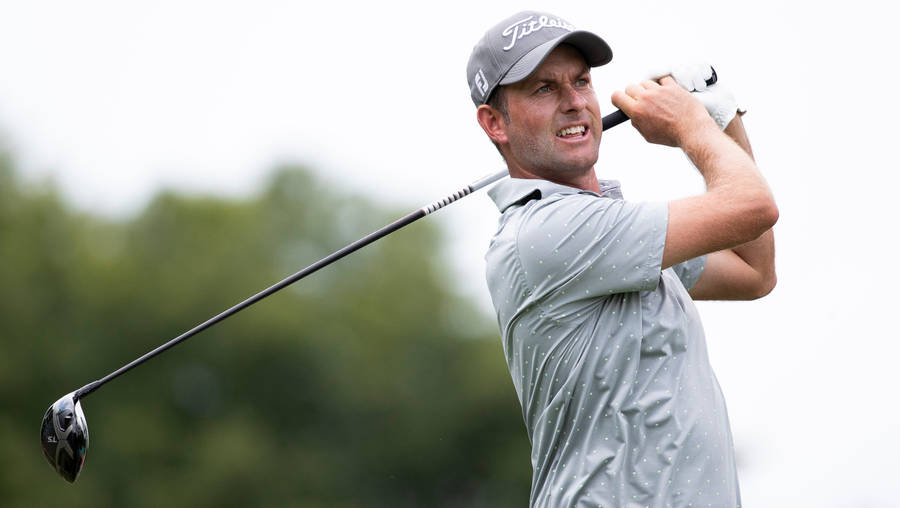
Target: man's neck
[586, 181]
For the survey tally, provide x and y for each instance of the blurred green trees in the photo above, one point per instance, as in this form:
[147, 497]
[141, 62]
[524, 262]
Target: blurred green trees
[356, 387]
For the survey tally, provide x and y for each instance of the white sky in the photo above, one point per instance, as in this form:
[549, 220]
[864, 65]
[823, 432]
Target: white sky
[115, 99]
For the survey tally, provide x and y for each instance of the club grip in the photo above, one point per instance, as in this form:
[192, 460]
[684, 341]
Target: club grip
[613, 119]
[617, 116]
[712, 79]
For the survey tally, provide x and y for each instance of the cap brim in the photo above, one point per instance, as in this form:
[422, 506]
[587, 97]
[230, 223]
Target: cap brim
[594, 49]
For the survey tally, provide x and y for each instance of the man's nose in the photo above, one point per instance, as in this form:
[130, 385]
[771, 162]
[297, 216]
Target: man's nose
[572, 100]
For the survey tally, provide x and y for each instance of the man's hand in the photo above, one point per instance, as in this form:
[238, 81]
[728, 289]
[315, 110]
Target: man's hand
[737, 206]
[718, 100]
[691, 76]
[664, 113]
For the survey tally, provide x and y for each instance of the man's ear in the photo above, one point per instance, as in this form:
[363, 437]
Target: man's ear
[493, 124]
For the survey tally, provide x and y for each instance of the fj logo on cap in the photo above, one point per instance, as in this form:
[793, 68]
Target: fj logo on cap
[530, 25]
[481, 82]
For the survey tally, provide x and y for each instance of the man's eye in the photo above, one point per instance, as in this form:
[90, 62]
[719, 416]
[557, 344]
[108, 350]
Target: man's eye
[544, 89]
[582, 82]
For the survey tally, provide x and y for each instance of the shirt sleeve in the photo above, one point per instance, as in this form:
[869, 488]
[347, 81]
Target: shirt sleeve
[689, 271]
[591, 246]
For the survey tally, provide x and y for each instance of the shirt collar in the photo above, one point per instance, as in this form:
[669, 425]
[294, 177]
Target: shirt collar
[515, 191]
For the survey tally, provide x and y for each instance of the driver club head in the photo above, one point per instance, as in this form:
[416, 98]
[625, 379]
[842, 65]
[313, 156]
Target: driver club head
[64, 437]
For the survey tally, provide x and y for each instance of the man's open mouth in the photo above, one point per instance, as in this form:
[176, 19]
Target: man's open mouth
[572, 132]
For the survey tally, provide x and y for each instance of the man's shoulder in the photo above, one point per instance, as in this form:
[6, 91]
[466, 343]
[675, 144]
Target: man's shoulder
[562, 210]
[515, 192]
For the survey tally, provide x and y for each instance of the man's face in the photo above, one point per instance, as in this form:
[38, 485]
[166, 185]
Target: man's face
[554, 119]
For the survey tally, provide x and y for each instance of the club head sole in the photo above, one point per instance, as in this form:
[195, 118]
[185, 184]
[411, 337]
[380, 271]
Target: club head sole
[65, 437]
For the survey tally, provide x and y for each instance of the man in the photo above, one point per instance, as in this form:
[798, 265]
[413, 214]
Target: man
[594, 293]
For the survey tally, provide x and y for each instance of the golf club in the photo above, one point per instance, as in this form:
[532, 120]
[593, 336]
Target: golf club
[64, 430]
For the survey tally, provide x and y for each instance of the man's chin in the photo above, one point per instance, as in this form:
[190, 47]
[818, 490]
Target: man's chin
[575, 156]
[577, 164]
[556, 163]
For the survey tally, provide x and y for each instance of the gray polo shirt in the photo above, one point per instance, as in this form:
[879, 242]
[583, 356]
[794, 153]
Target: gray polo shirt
[606, 352]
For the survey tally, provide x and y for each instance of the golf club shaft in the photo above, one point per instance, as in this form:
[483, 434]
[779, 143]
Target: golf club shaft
[609, 121]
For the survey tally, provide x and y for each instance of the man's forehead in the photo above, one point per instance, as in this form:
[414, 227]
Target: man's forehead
[564, 59]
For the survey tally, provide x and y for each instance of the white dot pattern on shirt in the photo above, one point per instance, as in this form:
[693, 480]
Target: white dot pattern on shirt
[655, 360]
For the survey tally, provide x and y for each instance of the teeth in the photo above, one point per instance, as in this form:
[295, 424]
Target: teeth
[571, 130]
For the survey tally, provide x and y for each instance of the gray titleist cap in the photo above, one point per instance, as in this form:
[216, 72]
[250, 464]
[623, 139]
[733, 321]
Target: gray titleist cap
[512, 49]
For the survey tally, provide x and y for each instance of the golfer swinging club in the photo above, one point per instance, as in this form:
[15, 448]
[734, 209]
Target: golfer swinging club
[594, 293]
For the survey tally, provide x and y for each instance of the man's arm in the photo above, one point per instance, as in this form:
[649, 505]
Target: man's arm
[747, 271]
[737, 208]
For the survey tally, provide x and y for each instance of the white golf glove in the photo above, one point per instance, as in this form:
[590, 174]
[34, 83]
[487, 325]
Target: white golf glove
[718, 101]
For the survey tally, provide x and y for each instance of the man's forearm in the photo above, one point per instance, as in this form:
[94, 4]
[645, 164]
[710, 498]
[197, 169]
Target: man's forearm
[724, 165]
[735, 188]
[759, 253]
[736, 131]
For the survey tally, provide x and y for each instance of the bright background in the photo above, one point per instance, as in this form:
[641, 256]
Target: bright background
[114, 100]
